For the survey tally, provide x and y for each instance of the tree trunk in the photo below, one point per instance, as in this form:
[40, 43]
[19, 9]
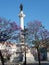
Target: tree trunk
[38, 51]
[2, 59]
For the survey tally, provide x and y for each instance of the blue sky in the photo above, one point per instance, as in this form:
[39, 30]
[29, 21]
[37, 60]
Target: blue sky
[34, 10]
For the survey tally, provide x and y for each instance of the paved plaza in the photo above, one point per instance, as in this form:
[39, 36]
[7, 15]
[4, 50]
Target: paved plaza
[34, 63]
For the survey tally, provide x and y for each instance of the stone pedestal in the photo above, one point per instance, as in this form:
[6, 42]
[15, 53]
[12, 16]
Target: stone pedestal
[48, 56]
[29, 57]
